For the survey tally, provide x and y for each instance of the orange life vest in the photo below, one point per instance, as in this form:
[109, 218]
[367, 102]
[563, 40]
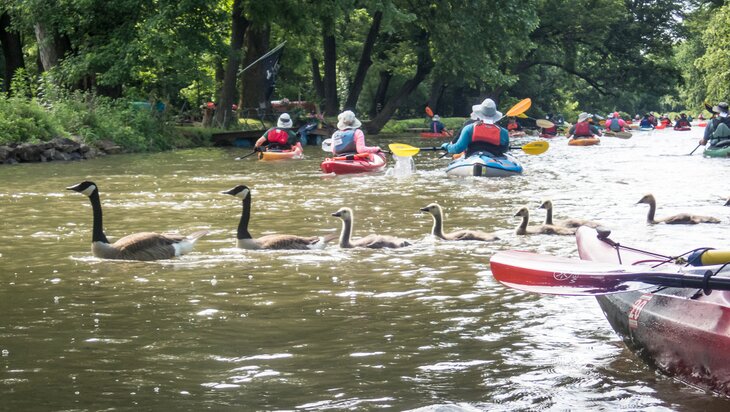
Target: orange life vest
[278, 136]
[512, 126]
[487, 133]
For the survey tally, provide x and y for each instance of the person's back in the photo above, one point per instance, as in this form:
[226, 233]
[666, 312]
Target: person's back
[483, 135]
[436, 125]
[349, 139]
[646, 123]
[682, 122]
[280, 137]
[616, 124]
[717, 131]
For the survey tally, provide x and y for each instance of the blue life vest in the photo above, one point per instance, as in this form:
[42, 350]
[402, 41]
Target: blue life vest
[645, 122]
[615, 126]
[343, 141]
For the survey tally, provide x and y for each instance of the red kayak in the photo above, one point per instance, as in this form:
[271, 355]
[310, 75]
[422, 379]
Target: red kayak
[431, 135]
[683, 129]
[354, 163]
[658, 307]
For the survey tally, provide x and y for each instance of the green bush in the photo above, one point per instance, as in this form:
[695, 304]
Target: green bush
[23, 120]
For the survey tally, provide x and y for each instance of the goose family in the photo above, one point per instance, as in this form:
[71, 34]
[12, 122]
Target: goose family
[438, 227]
[523, 229]
[370, 241]
[139, 246]
[679, 219]
[548, 206]
[244, 240]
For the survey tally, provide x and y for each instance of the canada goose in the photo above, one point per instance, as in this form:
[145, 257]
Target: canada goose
[245, 241]
[466, 234]
[369, 241]
[523, 229]
[680, 219]
[138, 246]
[548, 206]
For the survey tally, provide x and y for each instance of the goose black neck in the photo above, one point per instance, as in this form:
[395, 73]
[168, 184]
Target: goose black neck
[245, 216]
[97, 234]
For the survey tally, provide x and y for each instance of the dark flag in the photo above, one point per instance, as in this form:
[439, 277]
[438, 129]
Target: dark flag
[271, 66]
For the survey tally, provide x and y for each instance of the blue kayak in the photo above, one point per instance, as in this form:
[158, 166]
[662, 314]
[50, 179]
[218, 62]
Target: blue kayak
[484, 164]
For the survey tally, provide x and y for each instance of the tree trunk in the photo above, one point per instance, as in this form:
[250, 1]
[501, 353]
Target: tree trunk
[51, 46]
[461, 107]
[12, 51]
[239, 24]
[380, 93]
[424, 66]
[331, 103]
[434, 100]
[317, 77]
[253, 81]
[365, 62]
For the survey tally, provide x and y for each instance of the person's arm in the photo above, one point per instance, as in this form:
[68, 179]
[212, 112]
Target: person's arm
[292, 138]
[463, 141]
[360, 144]
[595, 131]
[709, 129]
[263, 139]
[572, 129]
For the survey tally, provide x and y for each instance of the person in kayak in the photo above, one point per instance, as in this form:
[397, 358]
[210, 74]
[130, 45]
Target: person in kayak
[513, 126]
[436, 125]
[484, 135]
[616, 123]
[349, 139]
[550, 131]
[281, 137]
[682, 122]
[583, 129]
[717, 132]
[646, 123]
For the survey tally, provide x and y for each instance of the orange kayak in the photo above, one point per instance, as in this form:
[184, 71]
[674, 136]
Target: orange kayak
[585, 141]
[274, 154]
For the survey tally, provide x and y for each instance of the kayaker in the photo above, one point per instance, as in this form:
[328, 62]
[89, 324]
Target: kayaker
[436, 126]
[718, 129]
[281, 137]
[646, 123]
[484, 135]
[349, 138]
[583, 129]
[682, 122]
[512, 125]
[550, 131]
[616, 123]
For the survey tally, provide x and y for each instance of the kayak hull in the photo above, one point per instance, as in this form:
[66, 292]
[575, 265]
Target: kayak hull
[431, 135]
[293, 154]
[590, 141]
[683, 129]
[345, 165]
[723, 151]
[621, 135]
[485, 165]
[684, 336]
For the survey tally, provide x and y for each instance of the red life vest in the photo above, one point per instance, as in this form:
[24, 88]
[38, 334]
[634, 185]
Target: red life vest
[487, 133]
[278, 136]
[583, 129]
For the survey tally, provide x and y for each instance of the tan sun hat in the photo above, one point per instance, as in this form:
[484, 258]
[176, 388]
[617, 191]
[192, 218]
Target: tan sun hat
[486, 112]
[284, 121]
[347, 120]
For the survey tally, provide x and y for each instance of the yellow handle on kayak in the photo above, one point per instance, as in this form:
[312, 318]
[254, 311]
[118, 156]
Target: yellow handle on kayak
[715, 257]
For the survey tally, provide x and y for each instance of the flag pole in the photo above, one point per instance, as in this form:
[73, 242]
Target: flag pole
[272, 51]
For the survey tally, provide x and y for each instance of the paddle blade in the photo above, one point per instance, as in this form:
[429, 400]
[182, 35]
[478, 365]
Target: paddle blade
[709, 107]
[327, 145]
[520, 107]
[522, 116]
[545, 124]
[535, 148]
[429, 112]
[403, 150]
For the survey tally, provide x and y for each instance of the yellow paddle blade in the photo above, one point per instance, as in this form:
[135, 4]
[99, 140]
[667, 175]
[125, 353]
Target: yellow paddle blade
[522, 116]
[403, 150]
[545, 124]
[535, 148]
[520, 107]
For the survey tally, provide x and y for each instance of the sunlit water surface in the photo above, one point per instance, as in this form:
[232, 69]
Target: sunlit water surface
[421, 327]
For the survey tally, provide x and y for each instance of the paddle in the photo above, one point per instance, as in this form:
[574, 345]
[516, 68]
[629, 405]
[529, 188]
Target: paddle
[400, 149]
[250, 154]
[519, 108]
[544, 123]
[693, 150]
[533, 272]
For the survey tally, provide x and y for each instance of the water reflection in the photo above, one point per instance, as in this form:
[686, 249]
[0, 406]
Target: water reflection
[424, 326]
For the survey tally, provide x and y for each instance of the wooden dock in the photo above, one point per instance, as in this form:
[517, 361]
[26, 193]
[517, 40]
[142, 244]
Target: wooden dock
[247, 138]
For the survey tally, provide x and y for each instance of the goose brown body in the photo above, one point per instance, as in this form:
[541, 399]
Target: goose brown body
[524, 229]
[372, 241]
[678, 219]
[144, 246]
[575, 223]
[466, 234]
[244, 240]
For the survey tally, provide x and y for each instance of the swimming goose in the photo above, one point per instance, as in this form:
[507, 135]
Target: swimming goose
[138, 246]
[523, 229]
[548, 206]
[245, 241]
[680, 219]
[369, 241]
[438, 227]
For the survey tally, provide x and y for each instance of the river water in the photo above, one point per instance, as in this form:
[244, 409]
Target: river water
[421, 327]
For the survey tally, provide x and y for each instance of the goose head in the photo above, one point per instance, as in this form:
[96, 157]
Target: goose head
[241, 191]
[546, 204]
[434, 209]
[523, 212]
[647, 199]
[85, 187]
[344, 213]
